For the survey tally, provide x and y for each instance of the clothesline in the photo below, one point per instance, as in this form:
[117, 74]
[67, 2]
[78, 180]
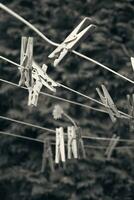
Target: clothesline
[125, 115]
[42, 141]
[56, 44]
[53, 131]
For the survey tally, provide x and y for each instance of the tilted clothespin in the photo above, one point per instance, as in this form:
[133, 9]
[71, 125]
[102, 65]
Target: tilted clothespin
[40, 78]
[47, 156]
[72, 41]
[80, 144]
[72, 142]
[26, 60]
[113, 142]
[60, 146]
[110, 106]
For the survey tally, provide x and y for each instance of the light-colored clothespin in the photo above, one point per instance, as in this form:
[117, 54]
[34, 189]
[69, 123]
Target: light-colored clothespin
[80, 144]
[26, 60]
[107, 100]
[72, 41]
[60, 146]
[47, 156]
[132, 62]
[113, 142]
[45, 79]
[72, 142]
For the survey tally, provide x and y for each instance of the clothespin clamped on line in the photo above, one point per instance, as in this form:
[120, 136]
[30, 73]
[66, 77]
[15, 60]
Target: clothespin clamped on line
[132, 62]
[110, 106]
[80, 144]
[130, 103]
[47, 156]
[60, 146]
[72, 40]
[72, 142]
[26, 60]
[113, 142]
[40, 78]
[32, 75]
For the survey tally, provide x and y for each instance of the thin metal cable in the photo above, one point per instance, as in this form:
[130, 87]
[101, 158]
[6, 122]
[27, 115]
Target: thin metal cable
[53, 131]
[41, 141]
[72, 90]
[27, 124]
[56, 44]
[56, 97]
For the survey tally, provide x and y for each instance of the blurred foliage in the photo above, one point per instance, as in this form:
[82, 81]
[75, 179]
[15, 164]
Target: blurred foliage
[112, 45]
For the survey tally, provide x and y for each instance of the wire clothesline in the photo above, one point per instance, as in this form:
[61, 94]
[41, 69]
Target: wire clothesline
[56, 44]
[72, 90]
[53, 131]
[42, 141]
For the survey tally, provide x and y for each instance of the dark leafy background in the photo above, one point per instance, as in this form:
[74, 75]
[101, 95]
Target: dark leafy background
[111, 44]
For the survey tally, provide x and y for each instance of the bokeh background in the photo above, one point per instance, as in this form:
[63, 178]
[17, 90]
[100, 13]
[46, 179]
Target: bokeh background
[112, 44]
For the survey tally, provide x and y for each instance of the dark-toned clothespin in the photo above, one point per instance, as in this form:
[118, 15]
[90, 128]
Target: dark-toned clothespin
[47, 156]
[130, 103]
[26, 60]
[113, 142]
[60, 146]
[108, 102]
[72, 40]
[80, 144]
[72, 142]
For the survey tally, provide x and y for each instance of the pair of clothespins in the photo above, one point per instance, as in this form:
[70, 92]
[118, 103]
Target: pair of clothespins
[47, 156]
[74, 144]
[72, 40]
[113, 142]
[32, 75]
[109, 104]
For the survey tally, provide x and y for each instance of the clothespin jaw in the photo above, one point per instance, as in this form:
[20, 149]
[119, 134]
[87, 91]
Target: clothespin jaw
[72, 142]
[60, 146]
[26, 59]
[45, 79]
[109, 104]
[47, 156]
[113, 142]
[72, 41]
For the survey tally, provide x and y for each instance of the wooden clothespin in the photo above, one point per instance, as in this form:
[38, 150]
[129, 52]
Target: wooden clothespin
[47, 156]
[132, 62]
[80, 144]
[130, 103]
[60, 146]
[113, 142]
[26, 60]
[110, 106]
[72, 142]
[72, 41]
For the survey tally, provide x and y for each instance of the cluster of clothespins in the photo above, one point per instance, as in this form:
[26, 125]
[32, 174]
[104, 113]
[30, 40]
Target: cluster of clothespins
[34, 77]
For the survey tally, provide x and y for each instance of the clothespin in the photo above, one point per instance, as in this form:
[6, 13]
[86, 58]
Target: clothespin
[132, 62]
[60, 146]
[26, 60]
[130, 103]
[45, 79]
[72, 142]
[113, 142]
[80, 144]
[110, 106]
[47, 156]
[72, 40]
